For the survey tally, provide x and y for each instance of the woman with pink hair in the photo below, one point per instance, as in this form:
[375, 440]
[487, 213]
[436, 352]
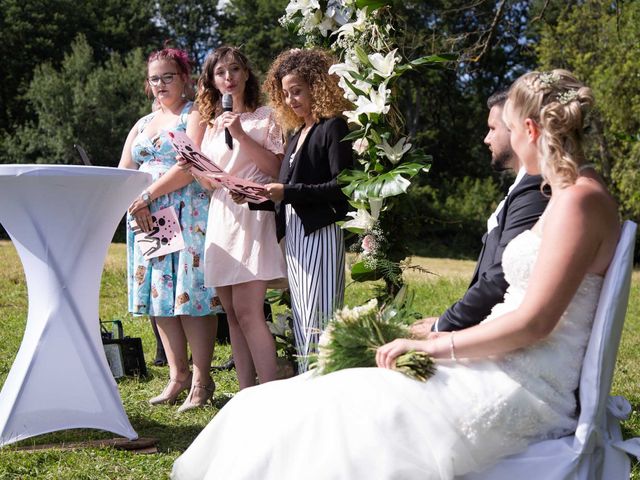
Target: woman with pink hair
[170, 288]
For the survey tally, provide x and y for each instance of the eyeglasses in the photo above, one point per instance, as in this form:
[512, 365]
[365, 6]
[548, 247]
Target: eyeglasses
[165, 78]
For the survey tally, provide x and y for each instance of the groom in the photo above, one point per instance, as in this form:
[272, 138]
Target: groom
[519, 210]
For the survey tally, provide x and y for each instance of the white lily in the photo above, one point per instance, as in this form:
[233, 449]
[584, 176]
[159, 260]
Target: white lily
[348, 93]
[350, 29]
[326, 25]
[383, 65]
[376, 102]
[362, 220]
[375, 203]
[395, 153]
[344, 69]
[303, 6]
[310, 22]
[352, 116]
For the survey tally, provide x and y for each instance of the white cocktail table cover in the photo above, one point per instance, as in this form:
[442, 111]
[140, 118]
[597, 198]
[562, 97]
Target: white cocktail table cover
[61, 220]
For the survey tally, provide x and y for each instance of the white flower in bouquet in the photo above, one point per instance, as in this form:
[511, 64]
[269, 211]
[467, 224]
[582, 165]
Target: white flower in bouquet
[369, 245]
[347, 314]
[310, 21]
[349, 94]
[375, 204]
[362, 220]
[353, 117]
[327, 25]
[375, 103]
[323, 342]
[383, 65]
[302, 6]
[350, 29]
[394, 153]
[361, 145]
[354, 334]
[343, 69]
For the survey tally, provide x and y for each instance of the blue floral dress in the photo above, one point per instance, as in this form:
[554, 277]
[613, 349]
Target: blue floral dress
[172, 284]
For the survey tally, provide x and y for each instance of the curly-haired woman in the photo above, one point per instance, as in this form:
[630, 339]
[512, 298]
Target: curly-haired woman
[241, 250]
[309, 201]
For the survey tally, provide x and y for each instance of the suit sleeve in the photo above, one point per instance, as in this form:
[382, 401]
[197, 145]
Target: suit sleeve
[489, 289]
[340, 157]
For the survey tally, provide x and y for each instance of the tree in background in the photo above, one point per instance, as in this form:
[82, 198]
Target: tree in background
[192, 25]
[83, 102]
[38, 31]
[600, 42]
[253, 26]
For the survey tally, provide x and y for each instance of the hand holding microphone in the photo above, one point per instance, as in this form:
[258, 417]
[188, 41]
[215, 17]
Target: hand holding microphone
[227, 106]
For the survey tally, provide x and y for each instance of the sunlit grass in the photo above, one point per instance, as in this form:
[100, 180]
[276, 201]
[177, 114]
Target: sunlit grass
[174, 432]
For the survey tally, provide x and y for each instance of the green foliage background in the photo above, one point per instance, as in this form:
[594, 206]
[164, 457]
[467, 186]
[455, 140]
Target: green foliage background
[73, 73]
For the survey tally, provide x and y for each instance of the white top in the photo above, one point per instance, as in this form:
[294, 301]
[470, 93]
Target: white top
[492, 221]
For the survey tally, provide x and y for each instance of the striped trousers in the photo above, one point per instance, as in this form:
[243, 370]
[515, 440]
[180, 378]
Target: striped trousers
[315, 266]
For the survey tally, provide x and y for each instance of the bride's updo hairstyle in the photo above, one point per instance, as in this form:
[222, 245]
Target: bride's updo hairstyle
[558, 102]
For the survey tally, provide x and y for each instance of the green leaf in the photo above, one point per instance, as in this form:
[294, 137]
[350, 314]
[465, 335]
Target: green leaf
[362, 55]
[361, 273]
[361, 187]
[375, 136]
[354, 135]
[434, 59]
[372, 4]
[355, 89]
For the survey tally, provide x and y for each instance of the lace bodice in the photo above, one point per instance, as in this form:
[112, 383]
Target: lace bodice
[536, 367]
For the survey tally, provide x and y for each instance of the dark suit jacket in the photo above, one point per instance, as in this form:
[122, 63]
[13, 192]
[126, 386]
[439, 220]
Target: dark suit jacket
[310, 184]
[521, 210]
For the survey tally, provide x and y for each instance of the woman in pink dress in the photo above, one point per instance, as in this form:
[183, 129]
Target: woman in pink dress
[241, 250]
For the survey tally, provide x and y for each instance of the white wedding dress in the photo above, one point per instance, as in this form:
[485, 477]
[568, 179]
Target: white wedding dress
[372, 423]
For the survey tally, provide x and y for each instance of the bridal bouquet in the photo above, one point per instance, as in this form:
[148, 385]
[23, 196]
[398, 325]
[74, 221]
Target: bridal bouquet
[354, 334]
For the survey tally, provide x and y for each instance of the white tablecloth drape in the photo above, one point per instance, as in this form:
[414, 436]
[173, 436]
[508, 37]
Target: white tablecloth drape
[61, 220]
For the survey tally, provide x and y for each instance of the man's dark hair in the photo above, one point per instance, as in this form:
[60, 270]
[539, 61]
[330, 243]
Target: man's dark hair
[498, 98]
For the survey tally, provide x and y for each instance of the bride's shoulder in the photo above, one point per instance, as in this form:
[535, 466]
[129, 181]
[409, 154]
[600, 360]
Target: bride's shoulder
[584, 193]
[588, 200]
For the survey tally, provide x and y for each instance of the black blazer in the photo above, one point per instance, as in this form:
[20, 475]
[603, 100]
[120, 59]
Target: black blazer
[310, 184]
[522, 208]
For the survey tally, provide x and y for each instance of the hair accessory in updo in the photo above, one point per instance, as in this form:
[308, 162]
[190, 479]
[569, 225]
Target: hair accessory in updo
[567, 96]
[548, 79]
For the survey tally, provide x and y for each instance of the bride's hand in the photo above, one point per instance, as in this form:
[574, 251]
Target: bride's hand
[386, 354]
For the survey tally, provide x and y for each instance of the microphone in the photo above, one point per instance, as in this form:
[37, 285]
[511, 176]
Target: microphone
[227, 106]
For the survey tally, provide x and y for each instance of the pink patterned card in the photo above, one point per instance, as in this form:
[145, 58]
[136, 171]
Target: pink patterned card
[164, 238]
[202, 166]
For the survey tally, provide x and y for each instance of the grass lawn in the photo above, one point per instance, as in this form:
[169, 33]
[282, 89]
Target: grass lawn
[434, 293]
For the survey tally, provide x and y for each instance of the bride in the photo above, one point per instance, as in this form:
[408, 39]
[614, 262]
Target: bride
[499, 386]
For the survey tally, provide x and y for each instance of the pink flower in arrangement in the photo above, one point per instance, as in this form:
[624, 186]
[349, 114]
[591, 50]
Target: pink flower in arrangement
[368, 244]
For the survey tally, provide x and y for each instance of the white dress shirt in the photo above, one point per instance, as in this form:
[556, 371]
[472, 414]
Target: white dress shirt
[492, 221]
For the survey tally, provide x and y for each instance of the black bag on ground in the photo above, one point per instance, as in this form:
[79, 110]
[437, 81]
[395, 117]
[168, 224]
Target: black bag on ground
[124, 354]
